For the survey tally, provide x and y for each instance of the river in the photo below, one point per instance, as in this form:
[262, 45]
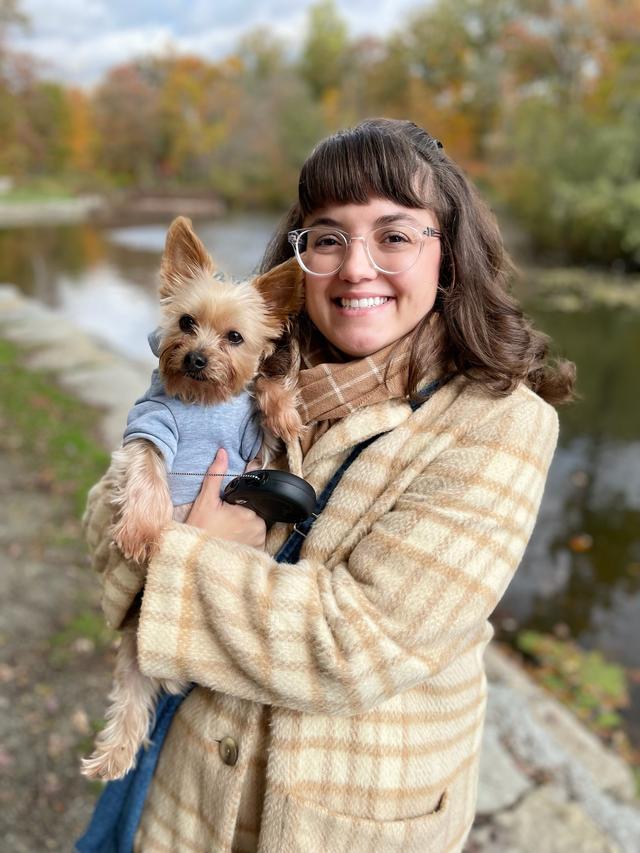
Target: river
[581, 572]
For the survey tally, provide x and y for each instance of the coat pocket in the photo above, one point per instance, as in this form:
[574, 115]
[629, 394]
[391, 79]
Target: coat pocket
[308, 827]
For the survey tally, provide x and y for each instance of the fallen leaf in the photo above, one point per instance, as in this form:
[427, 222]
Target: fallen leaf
[581, 542]
[7, 673]
[6, 759]
[80, 721]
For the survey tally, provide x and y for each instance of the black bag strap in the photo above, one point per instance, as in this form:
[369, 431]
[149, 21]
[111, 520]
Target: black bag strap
[290, 550]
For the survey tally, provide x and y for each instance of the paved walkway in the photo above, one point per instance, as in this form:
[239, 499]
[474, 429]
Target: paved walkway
[547, 784]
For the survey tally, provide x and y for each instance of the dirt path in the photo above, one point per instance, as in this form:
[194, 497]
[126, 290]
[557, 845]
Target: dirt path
[55, 658]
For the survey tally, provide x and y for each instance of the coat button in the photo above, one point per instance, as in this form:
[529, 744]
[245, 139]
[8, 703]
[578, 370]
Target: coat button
[228, 749]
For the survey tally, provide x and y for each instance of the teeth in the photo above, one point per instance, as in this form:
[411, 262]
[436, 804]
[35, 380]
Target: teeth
[371, 302]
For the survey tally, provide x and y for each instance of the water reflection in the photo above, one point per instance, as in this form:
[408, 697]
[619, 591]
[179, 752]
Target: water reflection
[105, 280]
[592, 497]
[236, 243]
[126, 312]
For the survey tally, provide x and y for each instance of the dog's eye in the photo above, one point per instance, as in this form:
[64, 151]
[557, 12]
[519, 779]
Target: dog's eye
[235, 338]
[187, 324]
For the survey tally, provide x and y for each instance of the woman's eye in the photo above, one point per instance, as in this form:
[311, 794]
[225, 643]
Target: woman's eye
[187, 324]
[395, 237]
[327, 241]
[235, 338]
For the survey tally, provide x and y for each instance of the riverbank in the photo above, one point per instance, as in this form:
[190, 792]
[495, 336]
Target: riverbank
[117, 208]
[547, 784]
[576, 289]
[50, 211]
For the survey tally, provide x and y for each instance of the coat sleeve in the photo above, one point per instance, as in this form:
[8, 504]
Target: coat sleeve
[413, 594]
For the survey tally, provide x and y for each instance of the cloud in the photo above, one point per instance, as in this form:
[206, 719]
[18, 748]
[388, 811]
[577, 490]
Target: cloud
[77, 41]
[66, 18]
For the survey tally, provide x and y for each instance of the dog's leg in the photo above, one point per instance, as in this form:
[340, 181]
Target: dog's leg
[142, 498]
[276, 400]
[129, 716]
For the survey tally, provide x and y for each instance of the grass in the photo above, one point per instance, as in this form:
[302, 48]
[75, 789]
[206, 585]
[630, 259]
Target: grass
[591, 686]
[34, 190]
[57, 431]
[85, 625]
[34, 195]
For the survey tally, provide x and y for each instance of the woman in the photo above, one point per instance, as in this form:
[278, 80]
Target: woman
[340, 699]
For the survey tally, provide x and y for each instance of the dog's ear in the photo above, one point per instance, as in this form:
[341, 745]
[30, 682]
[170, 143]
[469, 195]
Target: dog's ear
[282, 288]
[184, 256]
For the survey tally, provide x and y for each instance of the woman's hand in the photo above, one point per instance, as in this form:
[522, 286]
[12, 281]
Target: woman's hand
[223, 520]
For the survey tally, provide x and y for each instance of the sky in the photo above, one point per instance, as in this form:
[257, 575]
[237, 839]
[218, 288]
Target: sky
[76, 41]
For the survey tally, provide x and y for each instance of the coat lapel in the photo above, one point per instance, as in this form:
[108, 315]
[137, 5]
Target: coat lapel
[354, 428]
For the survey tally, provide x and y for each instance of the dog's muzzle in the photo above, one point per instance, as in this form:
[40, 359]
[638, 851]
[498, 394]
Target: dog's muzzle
[194, 363]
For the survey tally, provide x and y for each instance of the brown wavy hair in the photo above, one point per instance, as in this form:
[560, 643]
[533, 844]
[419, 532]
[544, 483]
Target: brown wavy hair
[483, 333]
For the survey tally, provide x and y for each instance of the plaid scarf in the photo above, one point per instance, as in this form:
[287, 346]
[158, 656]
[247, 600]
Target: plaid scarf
[329, 389]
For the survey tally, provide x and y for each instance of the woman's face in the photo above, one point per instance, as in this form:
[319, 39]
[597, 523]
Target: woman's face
[409, 296]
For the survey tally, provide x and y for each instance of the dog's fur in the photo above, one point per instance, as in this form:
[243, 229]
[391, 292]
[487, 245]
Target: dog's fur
[260, 312]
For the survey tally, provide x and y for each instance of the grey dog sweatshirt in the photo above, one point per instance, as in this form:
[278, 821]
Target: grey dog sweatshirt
[189, 434]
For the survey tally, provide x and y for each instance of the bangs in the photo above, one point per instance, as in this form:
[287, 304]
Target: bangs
[355, 165]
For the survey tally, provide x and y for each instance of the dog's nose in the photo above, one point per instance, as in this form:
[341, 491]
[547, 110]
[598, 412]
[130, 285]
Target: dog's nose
[195, 361]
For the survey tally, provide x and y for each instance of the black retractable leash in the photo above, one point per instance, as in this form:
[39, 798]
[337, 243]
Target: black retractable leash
[273, 495]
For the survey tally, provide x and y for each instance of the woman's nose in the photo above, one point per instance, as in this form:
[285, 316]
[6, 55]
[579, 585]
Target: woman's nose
[356, 264]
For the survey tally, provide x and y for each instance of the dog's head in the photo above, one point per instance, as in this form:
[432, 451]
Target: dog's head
[213, 332]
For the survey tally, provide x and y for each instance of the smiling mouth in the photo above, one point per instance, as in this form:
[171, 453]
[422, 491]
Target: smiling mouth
[367, 302]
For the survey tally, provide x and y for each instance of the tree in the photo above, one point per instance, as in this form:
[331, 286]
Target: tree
[569, 161]
[126, 114]
[325, 54]
[262, 54]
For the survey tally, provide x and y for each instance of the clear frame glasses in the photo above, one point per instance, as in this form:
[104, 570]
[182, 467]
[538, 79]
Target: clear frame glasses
[322, 250]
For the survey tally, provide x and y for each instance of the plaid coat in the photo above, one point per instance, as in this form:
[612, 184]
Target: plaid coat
[342, 699]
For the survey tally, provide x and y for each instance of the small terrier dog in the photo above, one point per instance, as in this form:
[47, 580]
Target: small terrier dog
[213, 338]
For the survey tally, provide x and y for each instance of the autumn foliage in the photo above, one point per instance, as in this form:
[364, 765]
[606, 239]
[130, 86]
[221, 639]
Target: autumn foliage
[538, 99]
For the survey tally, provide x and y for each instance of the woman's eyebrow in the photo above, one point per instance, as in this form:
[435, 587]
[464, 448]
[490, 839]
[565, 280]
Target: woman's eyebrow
[324, 220]
[387, 219]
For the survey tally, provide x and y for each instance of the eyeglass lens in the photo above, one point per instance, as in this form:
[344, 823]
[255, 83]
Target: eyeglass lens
[323, 251]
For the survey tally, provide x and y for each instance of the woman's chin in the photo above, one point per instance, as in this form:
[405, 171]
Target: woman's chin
[359, 347]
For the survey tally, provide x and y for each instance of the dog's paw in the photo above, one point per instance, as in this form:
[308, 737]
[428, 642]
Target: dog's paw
[108, 764]
[134, 543]
[287, 424]
[172, 685]
[277, 403]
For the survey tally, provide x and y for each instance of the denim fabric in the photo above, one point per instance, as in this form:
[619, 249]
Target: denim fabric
[119, 808]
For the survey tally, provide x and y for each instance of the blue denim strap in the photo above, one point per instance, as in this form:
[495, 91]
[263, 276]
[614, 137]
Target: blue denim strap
[119, 809]
[290, 551]
[429, 390]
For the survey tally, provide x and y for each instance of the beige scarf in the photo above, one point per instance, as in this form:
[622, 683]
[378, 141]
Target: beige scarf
[330, 389]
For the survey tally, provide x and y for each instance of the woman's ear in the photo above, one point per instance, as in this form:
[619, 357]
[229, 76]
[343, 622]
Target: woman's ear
[184, 257]
[282, 288]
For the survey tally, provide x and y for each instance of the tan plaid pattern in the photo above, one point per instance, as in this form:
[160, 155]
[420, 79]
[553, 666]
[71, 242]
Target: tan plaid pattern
[352, 682]
[331, 391]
